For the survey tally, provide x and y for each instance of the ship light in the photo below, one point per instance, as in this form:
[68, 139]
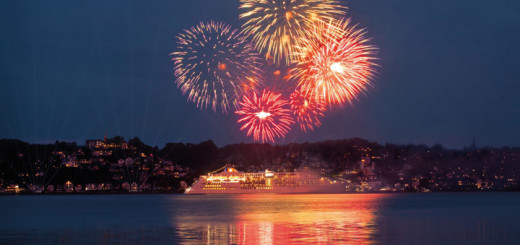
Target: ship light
[268, 173]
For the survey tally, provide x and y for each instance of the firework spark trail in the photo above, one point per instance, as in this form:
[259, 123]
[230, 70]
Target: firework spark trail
[277, 25]
[307, 110]
[265, 116]
[335, 66]
[215, 65]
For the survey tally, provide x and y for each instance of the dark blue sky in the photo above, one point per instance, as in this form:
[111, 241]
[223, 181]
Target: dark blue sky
[73, 70]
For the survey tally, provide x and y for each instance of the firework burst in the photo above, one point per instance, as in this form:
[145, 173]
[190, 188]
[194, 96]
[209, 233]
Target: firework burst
[336, 64]
[307, 110]
[215, 65]
[265, 116]
[277, 25]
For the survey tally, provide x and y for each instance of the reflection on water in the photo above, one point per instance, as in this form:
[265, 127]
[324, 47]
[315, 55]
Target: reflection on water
[282, 219]
[430, 218]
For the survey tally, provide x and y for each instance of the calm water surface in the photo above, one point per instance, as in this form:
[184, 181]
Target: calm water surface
[430, 218]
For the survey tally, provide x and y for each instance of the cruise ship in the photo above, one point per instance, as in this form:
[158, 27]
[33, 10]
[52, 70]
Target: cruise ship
[231, 181]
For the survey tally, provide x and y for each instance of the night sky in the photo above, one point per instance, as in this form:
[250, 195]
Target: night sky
[74, 70]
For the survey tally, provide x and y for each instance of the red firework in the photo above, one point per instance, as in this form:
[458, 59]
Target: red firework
[265, 116]
[335, 64]
[307, 110]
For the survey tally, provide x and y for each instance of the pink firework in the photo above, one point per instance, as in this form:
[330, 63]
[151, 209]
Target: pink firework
[307, 110]
[265, 116]
[335, 64]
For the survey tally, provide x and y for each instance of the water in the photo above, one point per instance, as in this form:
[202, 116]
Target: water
[430, 218]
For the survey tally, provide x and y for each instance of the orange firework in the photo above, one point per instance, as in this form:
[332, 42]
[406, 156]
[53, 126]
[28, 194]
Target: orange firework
[277, 25]
[336, 64]
[307, 110]
[265, 116]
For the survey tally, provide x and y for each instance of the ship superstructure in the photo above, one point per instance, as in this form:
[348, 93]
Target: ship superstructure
[232, 181]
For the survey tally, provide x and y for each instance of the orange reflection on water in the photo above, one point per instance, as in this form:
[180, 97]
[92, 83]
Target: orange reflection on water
[283, 219]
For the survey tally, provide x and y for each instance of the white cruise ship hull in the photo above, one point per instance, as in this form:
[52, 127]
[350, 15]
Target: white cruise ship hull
[231, 181]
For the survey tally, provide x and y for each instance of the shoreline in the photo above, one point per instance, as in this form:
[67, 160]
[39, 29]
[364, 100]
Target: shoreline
[182, 193]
